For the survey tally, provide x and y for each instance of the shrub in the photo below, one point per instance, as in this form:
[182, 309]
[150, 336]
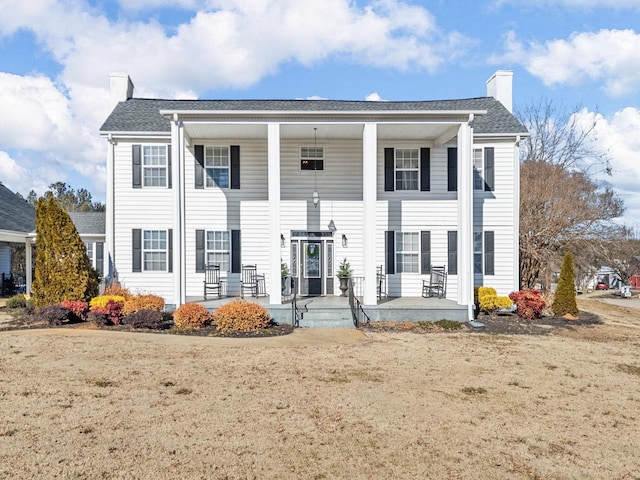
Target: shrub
[529, 303]
[145, 318]
[115, 288]
[78, 307]
[100, 319]
[191, 315]
[490, 302]
[112, 309]
[17, 301]
[54, 315]
[485, 291]
[102, 300]
[143, 302]
[565, 299]
[241, 315]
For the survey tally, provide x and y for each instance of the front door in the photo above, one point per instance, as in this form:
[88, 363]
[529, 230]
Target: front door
[312, 268]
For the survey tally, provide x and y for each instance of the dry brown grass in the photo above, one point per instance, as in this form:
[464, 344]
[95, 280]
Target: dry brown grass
[96, 404]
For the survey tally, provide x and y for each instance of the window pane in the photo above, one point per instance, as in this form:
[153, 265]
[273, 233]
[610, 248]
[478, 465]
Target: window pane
[155, 261]
[478, 183]
[477, 263]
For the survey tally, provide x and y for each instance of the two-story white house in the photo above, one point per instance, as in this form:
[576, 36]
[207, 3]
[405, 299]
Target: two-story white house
[401, 185]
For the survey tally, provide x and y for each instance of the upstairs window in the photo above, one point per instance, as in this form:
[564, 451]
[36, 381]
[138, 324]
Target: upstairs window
[483, 169]
[311, 158]
[478, 167]
[154, 165]
[216, 164]
[407, 163]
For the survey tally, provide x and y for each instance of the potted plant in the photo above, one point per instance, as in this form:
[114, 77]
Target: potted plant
[344, 272]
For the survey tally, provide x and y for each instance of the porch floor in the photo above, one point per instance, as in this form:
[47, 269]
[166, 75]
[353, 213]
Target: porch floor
[333, 311]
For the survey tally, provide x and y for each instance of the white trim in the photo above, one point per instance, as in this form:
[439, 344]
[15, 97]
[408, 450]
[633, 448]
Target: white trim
[308, 113]
[273, 160]
[369, 197]
[465, 217]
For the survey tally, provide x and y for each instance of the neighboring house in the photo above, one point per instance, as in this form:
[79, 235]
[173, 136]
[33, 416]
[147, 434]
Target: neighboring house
[402, 185]
[17, 219]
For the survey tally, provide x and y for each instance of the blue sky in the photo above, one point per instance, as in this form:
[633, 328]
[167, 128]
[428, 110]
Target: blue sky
[56, 55]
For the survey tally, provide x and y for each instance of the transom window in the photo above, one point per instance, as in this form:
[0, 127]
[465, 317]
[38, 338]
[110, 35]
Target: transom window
[311, 158]
[216, 164]
[478, 161]
[154, 165]
[407, 252]
[407, 168]
[154, 250]
[219, 249]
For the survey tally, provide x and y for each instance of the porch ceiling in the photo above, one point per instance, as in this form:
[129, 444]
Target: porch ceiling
[386, 131]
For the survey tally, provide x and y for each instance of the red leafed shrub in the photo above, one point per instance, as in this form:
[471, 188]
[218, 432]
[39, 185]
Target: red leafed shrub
[112, 310]
[78, 307]
[241, 315]
[191, 315]
[529, 303]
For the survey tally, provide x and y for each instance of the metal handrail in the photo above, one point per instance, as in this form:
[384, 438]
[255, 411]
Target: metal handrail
[358, 314]
[297, 313]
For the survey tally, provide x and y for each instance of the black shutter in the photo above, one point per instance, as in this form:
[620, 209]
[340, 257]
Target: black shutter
[100, 258]
[235, 166]
[136, 155]
[489, 169]
[489, 255]
[389, 169]
[452, 251]
[170, 254]
[425, 252]
[169, 166]
[236, 257]
[198, 153]
[390, 251]
[425, 169]
[200, 251]
[452, 169]
[137, 250]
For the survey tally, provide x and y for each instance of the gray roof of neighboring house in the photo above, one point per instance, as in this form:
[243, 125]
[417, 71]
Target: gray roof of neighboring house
[15, 213]
[89, 223]
[143, 115]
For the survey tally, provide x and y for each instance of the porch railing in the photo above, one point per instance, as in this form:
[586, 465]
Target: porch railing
[289, 294]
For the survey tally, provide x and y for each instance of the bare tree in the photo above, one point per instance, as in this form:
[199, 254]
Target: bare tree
[562, 206]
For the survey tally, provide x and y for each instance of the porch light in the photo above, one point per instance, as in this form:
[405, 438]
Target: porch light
[316, 198]
[345, 241]
[282, 242]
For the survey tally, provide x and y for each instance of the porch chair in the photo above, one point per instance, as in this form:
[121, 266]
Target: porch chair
[249, 280]
[211, 280]
[436, 286]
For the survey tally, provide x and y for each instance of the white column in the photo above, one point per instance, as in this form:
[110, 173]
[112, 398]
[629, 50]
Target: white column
[110, 209]
[177, 173]
[369, 198]
[27, 268]
[516, 215]
[273, 159]
[465, 217]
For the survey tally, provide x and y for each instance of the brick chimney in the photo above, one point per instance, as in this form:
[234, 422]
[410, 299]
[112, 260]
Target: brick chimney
[500, 87]
[120, 89]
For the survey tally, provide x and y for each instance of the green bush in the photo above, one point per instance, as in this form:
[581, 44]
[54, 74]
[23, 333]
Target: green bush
[565, 298]
[17, 301]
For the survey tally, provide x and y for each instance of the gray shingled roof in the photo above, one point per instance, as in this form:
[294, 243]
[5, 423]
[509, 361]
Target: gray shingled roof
[16, 214]
[89, 223]
[143, 115]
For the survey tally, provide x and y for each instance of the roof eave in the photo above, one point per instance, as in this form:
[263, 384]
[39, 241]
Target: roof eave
[170, 113]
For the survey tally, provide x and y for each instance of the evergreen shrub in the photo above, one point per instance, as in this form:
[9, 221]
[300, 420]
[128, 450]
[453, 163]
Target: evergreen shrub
[240, 315]
[17, 301]
[564, 301]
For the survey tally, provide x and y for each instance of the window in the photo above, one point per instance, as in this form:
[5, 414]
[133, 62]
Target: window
[407, 162]
[89, 247]
[154, 250]
[407, 252]
[311, 158]
[452, 251]
[216, 164]
[219, 249]
[478, 162]
[477, 252]
[154, 165]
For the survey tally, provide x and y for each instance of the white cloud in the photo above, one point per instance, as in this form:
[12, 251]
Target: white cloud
[618, 137]
[608, 56]
[582, 4]
[374, 97]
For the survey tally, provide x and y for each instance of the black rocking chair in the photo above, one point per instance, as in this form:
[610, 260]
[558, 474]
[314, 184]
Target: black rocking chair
[211, 280]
